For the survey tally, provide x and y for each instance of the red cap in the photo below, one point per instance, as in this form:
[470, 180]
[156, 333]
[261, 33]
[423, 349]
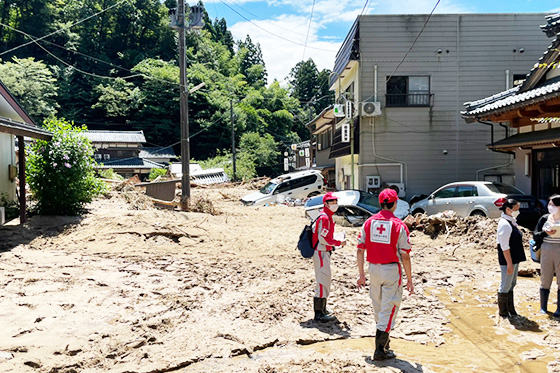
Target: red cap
[388, 195]
[329, 197]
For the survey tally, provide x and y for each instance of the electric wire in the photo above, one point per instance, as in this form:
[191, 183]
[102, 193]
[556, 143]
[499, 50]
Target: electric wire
[66, 28]
[308, 29]
[415, 40]
[270, 32]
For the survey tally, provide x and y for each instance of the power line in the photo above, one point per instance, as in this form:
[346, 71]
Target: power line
[270, 32]
[308, 28]
[414, 42]
[66, 28]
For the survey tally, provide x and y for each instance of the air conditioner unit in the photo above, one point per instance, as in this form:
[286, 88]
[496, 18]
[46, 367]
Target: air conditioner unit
[401, 189]
[371, 109]
[373, 181]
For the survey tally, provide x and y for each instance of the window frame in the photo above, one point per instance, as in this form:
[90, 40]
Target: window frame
[393, 99]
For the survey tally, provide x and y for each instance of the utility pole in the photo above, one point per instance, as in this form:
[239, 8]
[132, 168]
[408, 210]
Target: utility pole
[184, 104]
[232, 137]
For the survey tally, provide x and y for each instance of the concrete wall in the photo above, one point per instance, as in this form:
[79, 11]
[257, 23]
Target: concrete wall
[477, 50]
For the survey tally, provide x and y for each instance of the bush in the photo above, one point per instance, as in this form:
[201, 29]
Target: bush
[60, 172]
[244, 165]
[110, 174]
[156, 172]
[11, 208]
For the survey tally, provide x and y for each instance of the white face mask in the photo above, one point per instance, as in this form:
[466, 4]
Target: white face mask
[552, 209]
[333, 208]
[515, 214]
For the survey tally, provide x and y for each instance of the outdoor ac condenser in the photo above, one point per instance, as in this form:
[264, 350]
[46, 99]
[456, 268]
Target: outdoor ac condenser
[401, 189]
[371, 109]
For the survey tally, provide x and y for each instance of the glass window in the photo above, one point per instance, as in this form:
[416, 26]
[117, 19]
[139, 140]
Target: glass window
[466, 191]
[446, 192]
[503, 188]
[268, 188]
[403, 91]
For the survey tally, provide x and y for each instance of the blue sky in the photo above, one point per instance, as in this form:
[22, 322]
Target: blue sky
[286, 35]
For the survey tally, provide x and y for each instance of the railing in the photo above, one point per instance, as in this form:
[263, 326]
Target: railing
[409, 100]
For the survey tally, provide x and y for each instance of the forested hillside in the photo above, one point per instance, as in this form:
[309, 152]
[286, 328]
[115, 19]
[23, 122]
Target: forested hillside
[113, 64]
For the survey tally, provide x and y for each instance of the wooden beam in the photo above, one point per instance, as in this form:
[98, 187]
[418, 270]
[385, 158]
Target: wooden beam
[22, 197]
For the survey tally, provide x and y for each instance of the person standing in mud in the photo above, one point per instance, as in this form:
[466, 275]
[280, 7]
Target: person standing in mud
[385, 240]
[510, 254]
[550, 252]
[323, 239]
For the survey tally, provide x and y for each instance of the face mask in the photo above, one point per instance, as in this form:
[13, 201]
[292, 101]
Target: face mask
[552, 209]
[333, 208]
[515, 214]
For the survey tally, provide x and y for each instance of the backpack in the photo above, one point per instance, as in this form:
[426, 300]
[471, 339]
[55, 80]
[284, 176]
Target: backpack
[305, 242]
[538, 238]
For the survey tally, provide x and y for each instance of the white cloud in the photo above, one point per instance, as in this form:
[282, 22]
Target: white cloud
[281, 53]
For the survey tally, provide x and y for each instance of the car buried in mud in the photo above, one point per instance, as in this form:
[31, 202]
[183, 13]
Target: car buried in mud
[482, 198]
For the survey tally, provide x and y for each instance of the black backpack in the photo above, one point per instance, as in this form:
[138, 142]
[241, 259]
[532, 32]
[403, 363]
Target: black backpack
[305, 242]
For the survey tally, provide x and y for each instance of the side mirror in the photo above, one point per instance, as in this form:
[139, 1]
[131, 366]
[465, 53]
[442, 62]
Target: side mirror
[431, 197]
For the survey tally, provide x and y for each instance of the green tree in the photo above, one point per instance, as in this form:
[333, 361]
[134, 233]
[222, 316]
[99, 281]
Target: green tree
[117, 99]
[60, 172]
[250, 57]
[261, 148]
[33, 84]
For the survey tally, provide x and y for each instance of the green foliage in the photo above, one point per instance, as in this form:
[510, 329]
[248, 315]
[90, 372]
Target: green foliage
[110, 174]
[156, 172]
[244, 165]
[118, 98]
[261, 148]
[60, 172]
[33, 84]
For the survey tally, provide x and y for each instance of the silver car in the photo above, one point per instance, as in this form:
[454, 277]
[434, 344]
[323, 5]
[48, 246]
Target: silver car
[482, 198]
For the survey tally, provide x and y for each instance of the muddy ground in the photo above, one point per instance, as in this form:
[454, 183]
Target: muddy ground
[131, 288]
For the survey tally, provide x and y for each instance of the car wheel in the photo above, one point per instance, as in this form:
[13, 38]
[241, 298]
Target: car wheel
[478, 213]
[418, 211]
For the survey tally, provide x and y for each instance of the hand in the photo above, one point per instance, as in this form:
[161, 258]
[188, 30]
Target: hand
[550, 232]
[410, 287]
[509, 270]
[343, 243]
[361, 281]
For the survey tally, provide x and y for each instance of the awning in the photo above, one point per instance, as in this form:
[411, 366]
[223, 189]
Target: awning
[24, 129]
[528, 140]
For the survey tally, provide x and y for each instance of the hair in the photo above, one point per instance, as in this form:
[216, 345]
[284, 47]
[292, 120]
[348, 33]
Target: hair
[509, 203]
[387, 205]
[555, 198]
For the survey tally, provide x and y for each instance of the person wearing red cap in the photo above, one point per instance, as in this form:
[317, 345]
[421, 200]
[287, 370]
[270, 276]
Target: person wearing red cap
[323, 239]
[385, 240]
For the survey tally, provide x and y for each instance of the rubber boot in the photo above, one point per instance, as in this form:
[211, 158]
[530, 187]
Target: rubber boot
[319, 306]
[388, 350]
[557, 313]
[325, 310]
[510, 305]
[544, 300]
[502, 304]
[381, 339]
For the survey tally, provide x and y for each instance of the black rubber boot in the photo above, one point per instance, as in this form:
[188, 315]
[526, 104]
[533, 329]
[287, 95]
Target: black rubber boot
[544, 300]
[325, 310]
[319, 306]
[510, 305]
[557, 313]
[502, 304]
[381, 353]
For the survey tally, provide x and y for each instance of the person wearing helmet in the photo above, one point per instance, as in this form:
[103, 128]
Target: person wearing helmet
[323, 239]
[385, 240]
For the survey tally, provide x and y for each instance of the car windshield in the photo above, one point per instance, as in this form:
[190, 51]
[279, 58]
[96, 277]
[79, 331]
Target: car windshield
[369, 201]
[314, 201]
[503, 188]
[268, 188]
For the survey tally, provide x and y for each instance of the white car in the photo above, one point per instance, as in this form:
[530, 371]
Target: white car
[295, 185]
[354, 206]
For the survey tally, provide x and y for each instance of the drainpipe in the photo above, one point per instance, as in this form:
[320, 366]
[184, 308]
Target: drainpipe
[512, 154]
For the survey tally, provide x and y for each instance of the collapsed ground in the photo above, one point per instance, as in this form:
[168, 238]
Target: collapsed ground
[133, 288]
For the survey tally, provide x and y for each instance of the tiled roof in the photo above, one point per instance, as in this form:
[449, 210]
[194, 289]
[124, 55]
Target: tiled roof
[529, 139]
[157, 152]
[128, 163]
[509, 99]
[552, 26]
[116, 136]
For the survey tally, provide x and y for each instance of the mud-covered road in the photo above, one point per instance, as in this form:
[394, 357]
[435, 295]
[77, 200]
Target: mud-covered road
[125, 289]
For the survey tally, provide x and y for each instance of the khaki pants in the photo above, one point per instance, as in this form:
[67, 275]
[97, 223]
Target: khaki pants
[322, 265]
[550, 263]
[386, 293]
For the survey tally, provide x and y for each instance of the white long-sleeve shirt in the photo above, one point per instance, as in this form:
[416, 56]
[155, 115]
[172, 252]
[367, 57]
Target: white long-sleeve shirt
[504, 230]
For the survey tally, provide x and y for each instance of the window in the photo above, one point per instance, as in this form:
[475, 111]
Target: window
[467, 191]
[303, 181]
[405, 91]
[445, 193]
[518, 79]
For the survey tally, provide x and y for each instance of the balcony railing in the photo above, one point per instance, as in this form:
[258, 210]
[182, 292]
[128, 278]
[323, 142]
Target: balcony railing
[410, 100]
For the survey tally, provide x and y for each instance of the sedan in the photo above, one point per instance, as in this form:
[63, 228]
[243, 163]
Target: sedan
[483, 198]
[354, 207]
